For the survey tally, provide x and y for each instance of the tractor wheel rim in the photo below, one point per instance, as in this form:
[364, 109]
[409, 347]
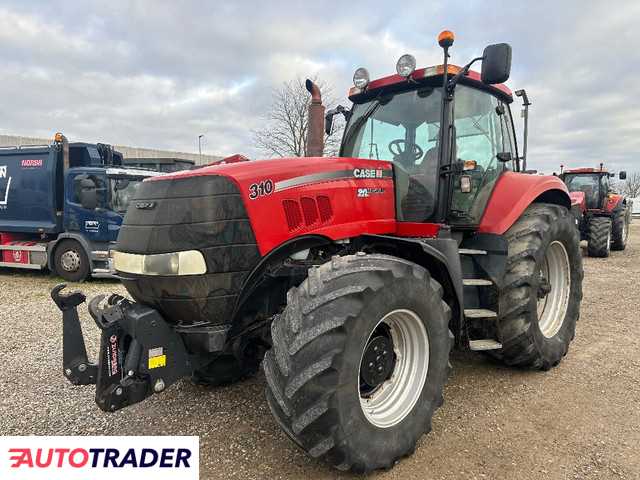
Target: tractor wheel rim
[70, 261]
[624, 231]
[394, 398]
[609, 241]
[552, 308]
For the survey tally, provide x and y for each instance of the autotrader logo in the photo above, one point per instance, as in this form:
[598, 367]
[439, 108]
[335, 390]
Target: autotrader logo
[71, 458]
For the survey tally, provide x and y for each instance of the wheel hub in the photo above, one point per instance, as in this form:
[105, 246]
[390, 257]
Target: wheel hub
[544, 287]
[390, 384]
[553, 289]
[377, 363]
[70, 261]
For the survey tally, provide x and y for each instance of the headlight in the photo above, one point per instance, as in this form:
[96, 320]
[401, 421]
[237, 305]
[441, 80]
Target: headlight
[361, 78]
[406, 65]
[179, 263]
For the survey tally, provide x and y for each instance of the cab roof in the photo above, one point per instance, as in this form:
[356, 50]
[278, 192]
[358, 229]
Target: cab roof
[430, 73]
[586, 170]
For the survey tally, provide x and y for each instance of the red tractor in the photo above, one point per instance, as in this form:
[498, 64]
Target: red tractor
[351, 278]
[603, 217]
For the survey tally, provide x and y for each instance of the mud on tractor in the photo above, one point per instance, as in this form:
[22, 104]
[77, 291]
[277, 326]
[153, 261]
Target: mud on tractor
[602, 216]
[350, 278]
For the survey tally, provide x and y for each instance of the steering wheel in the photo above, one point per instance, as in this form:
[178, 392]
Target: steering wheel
[399, 151]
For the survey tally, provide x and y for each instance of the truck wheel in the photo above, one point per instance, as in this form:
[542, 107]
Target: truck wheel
[539, 301]
[359, 360]
[620, 230]
[599, 237]
[71, 261]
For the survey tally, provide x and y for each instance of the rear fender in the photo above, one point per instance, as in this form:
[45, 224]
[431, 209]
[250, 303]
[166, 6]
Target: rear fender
[514, 192]
[614, 203]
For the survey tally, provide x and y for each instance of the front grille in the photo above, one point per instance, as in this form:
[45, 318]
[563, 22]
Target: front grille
[204, 213]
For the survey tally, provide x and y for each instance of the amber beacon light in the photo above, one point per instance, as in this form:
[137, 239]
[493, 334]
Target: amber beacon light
[445, 39]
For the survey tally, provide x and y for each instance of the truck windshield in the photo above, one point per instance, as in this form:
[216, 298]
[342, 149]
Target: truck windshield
[122, 191]
[404, 129]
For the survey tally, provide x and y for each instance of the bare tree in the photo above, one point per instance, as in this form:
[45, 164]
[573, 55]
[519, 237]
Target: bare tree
[284, 133]
[631, 186]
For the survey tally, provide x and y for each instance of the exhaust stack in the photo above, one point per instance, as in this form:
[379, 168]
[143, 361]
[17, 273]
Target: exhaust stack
[315, 127]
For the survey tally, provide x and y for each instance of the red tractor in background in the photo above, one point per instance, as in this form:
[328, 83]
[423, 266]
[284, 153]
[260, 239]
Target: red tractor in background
[603, 216]
[350, 278]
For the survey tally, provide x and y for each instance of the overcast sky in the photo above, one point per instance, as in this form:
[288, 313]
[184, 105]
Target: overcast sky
[158, 74]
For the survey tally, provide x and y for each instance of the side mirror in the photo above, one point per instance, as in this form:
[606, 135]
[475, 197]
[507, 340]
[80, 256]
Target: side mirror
[504, 157]
[87, 193]
[328, 118]
[328, 123]
[496, 63]
[623, 175]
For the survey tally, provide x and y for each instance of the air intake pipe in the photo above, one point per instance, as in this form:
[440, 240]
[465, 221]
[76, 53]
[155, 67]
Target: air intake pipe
[315, 127]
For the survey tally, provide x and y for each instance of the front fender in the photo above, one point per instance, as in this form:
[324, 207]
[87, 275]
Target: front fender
[514, 192]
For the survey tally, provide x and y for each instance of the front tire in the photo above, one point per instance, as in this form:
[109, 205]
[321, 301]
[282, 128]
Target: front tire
[71, 261]
[599, 239]
[539, 301]
[620, 230]
[225, 370]
[330, 384]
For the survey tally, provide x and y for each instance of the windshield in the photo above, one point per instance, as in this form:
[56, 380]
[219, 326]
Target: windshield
[403, 129]
[122, 191]
[587, 183]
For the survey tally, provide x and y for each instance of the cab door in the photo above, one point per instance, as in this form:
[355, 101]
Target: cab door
[484, 130]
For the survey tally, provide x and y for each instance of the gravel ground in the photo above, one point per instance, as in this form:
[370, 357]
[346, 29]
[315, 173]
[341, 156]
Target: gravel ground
[578, 421]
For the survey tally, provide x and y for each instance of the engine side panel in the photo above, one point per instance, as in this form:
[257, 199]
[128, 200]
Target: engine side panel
[513, 193]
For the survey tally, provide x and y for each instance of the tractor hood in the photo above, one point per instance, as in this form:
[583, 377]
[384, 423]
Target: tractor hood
[189, 239]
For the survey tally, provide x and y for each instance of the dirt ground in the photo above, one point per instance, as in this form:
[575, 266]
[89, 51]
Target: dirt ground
[579, 421]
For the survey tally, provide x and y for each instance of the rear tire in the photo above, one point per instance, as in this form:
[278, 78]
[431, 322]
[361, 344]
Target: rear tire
[599, 237]
[316, 388]
[537, 321]
[620, 230]
[71, 261]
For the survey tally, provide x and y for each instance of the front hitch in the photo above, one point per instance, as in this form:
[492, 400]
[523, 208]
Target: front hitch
[140, 354]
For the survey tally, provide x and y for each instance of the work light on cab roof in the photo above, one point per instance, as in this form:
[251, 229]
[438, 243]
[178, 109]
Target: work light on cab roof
[361, 78]
[406, 65]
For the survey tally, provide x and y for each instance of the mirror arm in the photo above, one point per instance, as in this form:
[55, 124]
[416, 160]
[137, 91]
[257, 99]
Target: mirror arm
[525, 103]
[463, 72]
[339, 109]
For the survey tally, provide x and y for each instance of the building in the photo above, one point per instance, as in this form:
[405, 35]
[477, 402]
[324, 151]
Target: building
[163, 160]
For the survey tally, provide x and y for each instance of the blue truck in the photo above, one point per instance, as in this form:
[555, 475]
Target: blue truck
[61, 206]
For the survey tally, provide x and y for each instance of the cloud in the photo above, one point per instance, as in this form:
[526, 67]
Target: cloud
[159, 73]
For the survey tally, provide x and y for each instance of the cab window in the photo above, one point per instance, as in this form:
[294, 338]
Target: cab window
[483, 129]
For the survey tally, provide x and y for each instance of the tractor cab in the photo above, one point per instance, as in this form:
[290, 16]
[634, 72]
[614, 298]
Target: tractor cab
[398, 119]
[404, 127]
[593, 182]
